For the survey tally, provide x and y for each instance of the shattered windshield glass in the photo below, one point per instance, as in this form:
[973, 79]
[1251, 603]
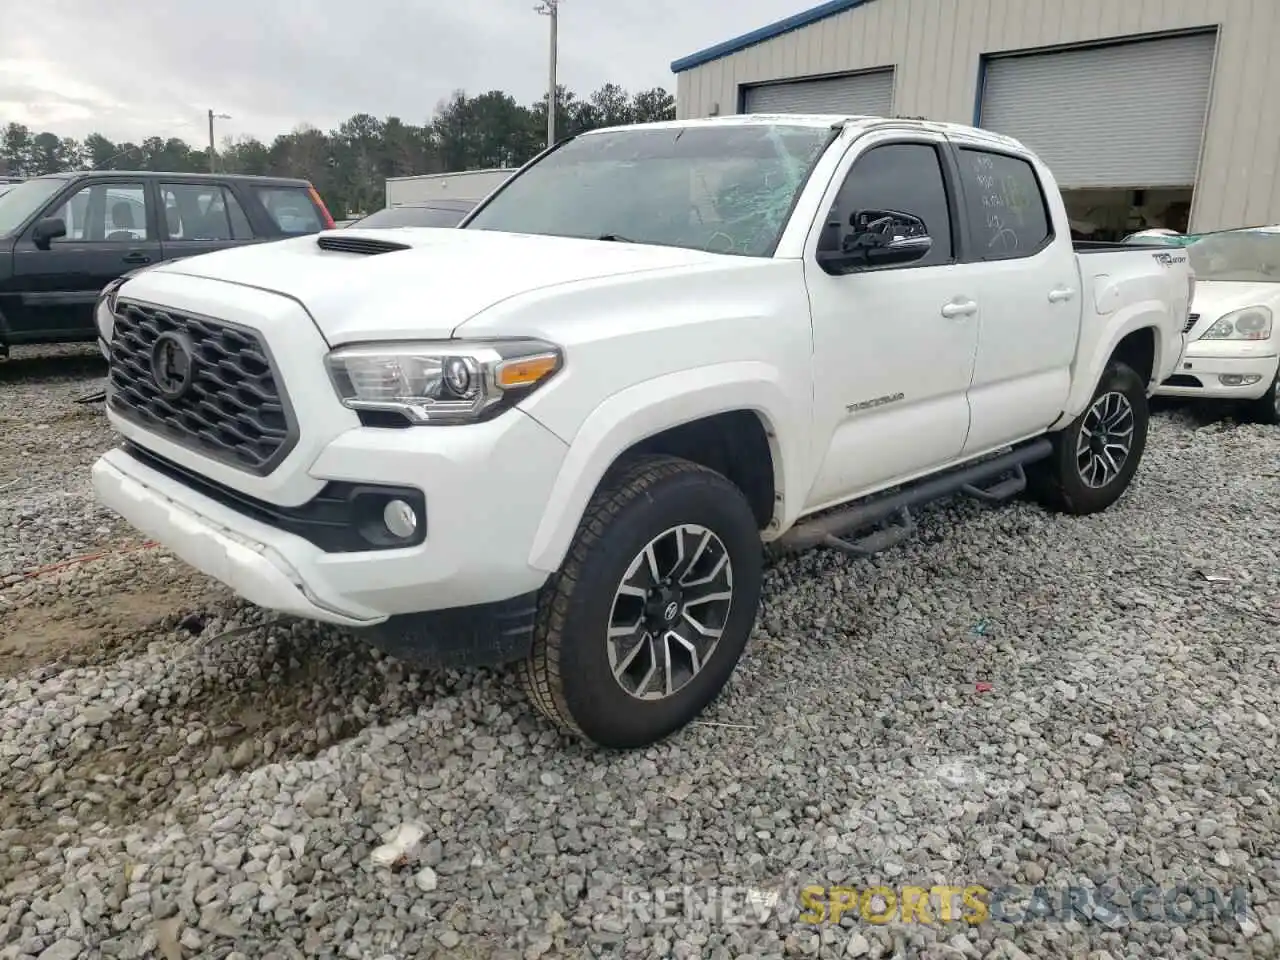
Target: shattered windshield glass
[721, 188]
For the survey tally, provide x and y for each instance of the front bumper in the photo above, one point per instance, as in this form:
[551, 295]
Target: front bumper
[1203, 364]
[484, 487]
[206, 537]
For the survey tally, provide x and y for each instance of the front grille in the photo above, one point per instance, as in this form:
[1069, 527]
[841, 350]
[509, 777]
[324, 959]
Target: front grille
[1192, 320]
[229, 406]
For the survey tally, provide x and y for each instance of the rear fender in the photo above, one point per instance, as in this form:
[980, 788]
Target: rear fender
[648, 408]
[1096, 352]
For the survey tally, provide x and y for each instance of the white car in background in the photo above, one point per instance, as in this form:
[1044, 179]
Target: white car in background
[1233, 340]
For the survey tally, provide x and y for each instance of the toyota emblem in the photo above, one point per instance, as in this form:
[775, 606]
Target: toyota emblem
[172, 364]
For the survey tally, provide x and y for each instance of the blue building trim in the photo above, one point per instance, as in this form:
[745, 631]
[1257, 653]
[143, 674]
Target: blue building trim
[777, 29]
[979, 89]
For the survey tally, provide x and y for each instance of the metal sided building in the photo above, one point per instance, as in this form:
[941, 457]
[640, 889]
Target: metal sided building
[1149, 112]
[472, 185]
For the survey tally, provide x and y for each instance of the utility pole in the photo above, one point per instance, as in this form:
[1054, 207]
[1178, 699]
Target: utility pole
[212, 150]
[550, 8]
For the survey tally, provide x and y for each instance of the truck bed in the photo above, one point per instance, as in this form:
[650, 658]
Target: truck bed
[1100, 246]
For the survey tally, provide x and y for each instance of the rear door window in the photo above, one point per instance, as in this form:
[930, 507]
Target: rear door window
[290, 208]
[203, 211]
[1005, 206]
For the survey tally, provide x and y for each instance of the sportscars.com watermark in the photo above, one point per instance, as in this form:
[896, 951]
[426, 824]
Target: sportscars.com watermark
[972, 904]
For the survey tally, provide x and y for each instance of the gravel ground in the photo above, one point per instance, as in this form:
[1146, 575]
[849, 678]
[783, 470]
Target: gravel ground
[1012, 698]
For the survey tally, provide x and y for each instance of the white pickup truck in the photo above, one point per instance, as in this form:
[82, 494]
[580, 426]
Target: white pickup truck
[558, 435]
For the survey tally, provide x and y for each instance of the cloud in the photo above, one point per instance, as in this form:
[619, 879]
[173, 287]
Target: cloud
[135, 68]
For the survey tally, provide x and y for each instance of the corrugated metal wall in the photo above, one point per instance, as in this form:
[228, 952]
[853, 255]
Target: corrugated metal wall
[935, 46]
[465, 185]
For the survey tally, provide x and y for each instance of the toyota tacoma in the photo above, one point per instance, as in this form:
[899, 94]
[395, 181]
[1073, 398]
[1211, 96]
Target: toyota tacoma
[558, 435]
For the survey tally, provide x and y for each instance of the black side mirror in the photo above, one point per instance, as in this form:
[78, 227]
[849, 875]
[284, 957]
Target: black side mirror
[47, 230]
[839, 261]
[887, 224]
[878, 238]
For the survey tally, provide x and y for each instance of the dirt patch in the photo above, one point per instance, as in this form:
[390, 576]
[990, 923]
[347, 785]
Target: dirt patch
[93, 610]
[64, 634]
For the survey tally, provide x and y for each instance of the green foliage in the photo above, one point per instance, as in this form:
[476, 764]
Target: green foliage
[349, 164]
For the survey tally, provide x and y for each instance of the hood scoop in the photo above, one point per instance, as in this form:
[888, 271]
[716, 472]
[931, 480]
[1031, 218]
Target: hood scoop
[365, 246]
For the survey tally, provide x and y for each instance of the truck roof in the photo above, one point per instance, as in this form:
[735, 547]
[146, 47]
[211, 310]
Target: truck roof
[167, 175]
[829, 120]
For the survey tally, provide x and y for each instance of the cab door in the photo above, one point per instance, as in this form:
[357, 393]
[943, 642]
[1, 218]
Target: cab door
[895, 324]
[110, 230]
[1030, 292]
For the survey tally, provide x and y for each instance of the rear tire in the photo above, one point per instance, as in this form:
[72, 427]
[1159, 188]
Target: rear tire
[1096, 455]
[663, 573]
[1266, 409]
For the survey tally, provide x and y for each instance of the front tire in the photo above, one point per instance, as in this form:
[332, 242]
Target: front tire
[1096, 455]
[1266, 409]
[646, 620]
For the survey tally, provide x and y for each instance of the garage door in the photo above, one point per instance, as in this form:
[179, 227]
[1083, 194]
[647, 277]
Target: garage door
[868, 94]
[1129, 115]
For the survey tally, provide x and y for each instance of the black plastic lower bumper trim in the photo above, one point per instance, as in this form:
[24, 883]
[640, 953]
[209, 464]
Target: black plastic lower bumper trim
[483, 635]
[341, 518]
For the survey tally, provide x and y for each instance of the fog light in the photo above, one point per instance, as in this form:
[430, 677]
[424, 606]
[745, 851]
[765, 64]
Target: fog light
[399, 519]
[1238, 379]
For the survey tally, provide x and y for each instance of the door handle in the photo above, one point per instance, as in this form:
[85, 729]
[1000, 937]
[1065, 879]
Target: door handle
[959, 308]
[136, 257]
[1059, 294]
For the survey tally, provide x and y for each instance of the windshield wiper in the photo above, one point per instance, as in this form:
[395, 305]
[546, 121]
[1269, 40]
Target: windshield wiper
[615, 238]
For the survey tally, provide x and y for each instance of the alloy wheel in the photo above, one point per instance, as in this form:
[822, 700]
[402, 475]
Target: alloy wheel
[1106, 439]
[670, 611]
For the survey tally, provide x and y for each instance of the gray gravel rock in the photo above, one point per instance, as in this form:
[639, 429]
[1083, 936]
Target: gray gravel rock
[1011, 698]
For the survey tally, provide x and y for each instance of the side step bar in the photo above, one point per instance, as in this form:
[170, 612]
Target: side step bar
[826, 530]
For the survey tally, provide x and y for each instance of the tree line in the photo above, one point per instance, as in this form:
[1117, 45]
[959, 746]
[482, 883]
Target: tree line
[350, 163]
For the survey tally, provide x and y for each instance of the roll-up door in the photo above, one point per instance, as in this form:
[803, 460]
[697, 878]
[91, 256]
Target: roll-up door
[867, 94]
[1122, 115]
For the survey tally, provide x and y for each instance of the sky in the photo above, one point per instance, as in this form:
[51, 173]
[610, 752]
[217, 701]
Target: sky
[136, 68]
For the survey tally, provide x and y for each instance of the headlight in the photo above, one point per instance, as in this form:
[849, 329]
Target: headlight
[1251, 323]
[442, 382]
[110, 292]
[104, 313]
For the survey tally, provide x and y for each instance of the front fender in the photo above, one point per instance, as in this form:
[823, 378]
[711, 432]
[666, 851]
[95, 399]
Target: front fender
[648, 408]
